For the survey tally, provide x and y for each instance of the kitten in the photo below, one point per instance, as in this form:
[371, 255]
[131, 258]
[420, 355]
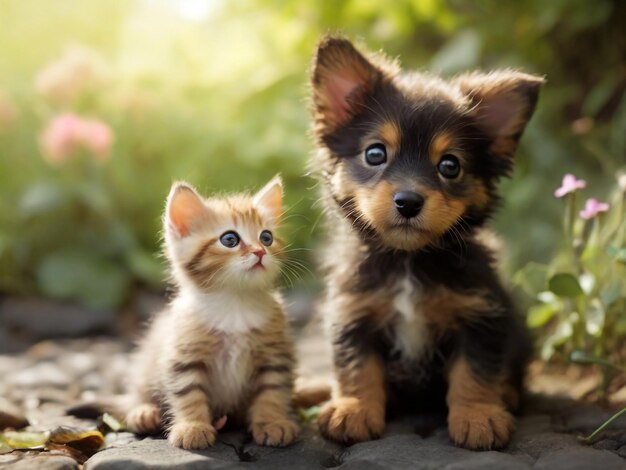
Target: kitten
[221, 348]
[417, 314]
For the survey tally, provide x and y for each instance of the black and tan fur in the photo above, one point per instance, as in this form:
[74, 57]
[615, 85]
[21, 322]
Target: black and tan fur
[222, 346]
[416, 312]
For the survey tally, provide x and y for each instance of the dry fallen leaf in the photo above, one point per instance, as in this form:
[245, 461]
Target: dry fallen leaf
[88, 442]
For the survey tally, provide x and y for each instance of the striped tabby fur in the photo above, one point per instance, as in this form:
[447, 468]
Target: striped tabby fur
[222, 346]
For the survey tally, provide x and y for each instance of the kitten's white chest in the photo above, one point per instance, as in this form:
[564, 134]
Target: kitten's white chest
[225, 311]
[232, 368]
[410, 327]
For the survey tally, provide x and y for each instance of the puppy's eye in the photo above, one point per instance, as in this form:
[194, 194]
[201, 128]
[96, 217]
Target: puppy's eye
[449, 166]
[376, 154]
[266, 237]
[230, 239]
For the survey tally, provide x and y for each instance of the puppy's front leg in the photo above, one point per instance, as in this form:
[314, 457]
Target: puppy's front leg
[477, 390]
[357, 413]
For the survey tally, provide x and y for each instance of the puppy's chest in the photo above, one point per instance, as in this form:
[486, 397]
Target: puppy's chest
[408, 329]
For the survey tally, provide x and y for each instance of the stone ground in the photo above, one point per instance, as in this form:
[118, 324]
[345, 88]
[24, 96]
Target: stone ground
[52, 375]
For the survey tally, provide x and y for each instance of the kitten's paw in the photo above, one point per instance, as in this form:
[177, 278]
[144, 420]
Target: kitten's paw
[480, 426]
[276, 434]
[351, 420]
[192, 435]
[144, 419]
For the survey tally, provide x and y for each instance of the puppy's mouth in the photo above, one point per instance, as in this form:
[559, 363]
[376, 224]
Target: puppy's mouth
[408, 227]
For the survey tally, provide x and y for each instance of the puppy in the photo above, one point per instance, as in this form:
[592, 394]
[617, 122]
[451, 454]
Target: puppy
[417, 315]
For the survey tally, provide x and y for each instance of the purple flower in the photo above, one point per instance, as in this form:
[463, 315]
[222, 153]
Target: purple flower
[592, 208]
[570, 184]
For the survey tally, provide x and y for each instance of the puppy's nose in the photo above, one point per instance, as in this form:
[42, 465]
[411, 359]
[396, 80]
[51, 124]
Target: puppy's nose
[408, 203]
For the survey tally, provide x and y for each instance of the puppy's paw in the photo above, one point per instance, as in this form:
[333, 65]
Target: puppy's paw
[480, 426]
[144, 419]
[194, 435]
[279, 433]
[351, 420]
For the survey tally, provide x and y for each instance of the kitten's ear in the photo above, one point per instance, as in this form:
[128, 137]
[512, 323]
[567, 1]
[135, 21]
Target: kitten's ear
[341, 78]
[184, 208]
[270, 198]
[503, 102]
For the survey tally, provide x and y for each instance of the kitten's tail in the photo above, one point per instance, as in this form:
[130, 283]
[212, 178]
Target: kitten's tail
[310, 393]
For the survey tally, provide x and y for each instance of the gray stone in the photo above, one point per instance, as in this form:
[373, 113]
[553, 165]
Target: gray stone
[607, 444]
[411, 451]
[40, 375]
[231, 451]
[11, 416]
[41, 462]
[582, 458]
[38, 318]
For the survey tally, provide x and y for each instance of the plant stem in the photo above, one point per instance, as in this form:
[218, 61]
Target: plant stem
[604, 425]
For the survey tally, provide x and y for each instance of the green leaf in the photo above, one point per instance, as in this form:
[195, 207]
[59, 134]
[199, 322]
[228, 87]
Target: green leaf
[83, 276]
[41, 198]
[5, 448]
[111, 423]
[309, 415]
[24, 439]
[612, 291]
[581, 357]
[146, 267]
[460, 53]
[594, 318]
[532, 278]
[618, 254]
[565, 285]
[564, 332]
[539, 315]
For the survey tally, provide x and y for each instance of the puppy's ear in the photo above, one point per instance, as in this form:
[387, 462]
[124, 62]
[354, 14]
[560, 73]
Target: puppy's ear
[503, 102]
[341, 79]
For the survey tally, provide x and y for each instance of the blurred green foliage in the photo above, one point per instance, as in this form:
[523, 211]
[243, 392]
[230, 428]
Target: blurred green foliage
[215, 92]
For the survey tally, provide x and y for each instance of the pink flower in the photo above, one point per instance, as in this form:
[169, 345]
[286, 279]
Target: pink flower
[77, 72]
[66, 134]
[592, 208]
[570, 184]
[8, 113]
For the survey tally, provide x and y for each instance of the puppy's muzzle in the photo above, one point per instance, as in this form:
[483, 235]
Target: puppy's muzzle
[408, 203]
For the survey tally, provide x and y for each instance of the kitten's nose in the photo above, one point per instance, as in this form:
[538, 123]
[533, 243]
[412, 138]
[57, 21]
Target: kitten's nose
[408, 203]
[260, 254]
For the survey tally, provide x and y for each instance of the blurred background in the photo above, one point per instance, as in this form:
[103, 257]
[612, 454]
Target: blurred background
[104, 104]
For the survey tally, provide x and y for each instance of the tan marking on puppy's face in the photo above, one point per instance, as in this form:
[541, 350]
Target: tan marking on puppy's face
[390, 133]
[441, 144]
[377, 208]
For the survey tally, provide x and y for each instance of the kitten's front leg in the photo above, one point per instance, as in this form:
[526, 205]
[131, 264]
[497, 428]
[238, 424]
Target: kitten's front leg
[358, 412]
[271, 411]
[188, 401]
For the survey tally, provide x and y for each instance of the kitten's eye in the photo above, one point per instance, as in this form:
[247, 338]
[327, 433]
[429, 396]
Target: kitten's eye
[376, 154]
[230, 239]
[266, 237]
[449, 166]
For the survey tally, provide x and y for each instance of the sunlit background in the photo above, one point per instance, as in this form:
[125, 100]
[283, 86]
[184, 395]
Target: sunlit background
[104, 103]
